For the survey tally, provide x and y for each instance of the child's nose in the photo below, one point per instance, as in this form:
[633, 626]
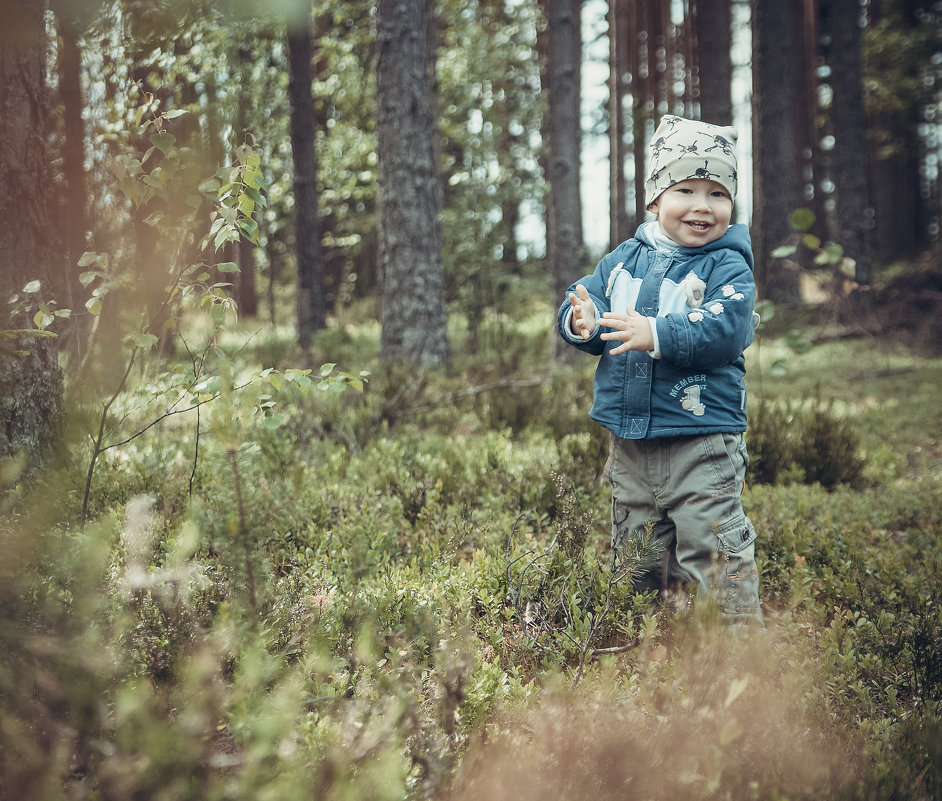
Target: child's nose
[701, 202]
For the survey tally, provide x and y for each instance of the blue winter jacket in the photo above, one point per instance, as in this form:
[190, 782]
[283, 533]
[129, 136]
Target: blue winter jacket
[702, 299]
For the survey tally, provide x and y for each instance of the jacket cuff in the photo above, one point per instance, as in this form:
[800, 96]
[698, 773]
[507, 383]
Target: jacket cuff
[655, 352]
[567, 327]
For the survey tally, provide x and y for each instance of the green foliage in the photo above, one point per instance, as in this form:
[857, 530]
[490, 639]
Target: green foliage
[408, 591]
[803, 441]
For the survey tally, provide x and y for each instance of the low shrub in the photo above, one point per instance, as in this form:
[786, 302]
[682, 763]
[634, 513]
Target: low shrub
[805, 442]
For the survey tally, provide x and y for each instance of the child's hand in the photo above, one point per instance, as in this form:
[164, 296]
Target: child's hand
[584, 313]
[632, 329]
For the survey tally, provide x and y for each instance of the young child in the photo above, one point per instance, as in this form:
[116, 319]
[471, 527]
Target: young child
[670, 312]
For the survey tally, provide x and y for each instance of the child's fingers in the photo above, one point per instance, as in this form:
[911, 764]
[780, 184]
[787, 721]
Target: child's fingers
[610, 320]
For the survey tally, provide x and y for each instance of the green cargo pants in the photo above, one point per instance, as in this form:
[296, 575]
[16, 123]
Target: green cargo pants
[687, 492]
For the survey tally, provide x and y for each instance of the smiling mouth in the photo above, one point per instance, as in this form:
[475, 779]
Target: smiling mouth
[699, 225]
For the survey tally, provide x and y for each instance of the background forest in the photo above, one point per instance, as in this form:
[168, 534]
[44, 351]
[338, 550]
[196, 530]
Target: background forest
[298, 498]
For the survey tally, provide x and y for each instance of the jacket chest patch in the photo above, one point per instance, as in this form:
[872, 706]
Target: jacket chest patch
[691, 394]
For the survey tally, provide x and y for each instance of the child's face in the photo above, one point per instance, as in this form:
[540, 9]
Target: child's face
[694, 212]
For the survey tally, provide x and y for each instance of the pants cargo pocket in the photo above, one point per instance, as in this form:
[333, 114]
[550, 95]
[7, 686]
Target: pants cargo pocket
[737, 578]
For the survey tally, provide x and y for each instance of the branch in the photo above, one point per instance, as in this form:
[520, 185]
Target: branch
[504, 383]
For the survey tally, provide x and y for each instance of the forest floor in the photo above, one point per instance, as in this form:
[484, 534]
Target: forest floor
[408, 593]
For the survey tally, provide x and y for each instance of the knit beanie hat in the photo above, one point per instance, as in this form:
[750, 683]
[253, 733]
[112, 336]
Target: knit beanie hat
[684, 149]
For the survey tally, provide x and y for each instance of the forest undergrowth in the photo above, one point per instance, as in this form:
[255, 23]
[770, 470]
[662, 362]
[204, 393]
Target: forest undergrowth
[408, 592]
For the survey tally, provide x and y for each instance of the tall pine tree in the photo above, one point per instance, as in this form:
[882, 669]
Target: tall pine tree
[412, 302]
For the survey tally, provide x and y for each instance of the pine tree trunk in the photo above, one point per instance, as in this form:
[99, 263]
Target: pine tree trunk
[565, 249]
[31, 383]
[619, 31]
[849, 125]
[775, 156]
[311, 308]
[811, 164]
[73, 148]
[712, 25]
[412, 312]
[894, 158]
[642, 101]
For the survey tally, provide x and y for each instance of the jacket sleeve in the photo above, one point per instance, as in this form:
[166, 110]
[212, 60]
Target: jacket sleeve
[596, 285]
[721, 328]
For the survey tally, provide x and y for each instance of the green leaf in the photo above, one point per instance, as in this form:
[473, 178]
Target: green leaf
[173, 113]
[223, 235]
[143, 341]
[327, 369]
[765, 309]
[210, 186]
[249, 227]
[228, 267]
[802, 219]
[784, 252]
[798, 342]
[32, 287]
[256, 196]
[88, 258]
[163, 141]
[274, 421]
[832, 254]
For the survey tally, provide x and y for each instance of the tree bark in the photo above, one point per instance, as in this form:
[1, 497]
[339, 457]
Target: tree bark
[412, 311]
[643, 105]
[811, 166]
[712, 26]
[310, 307]
[849, 125]
[566, 246]
[619, 32]
[775, 156]
[894, 143]
[30, 383]
[73, 147]
[246, 291]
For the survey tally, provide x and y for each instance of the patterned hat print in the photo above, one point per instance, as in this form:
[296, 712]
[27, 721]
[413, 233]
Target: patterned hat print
[684, 149]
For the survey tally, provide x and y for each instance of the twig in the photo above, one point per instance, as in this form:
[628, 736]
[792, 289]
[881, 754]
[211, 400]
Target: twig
[618, 649]
[504, 383]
